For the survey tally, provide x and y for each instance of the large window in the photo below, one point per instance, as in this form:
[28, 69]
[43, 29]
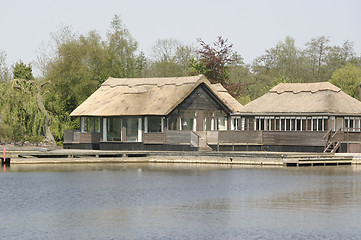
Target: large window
[132, 126]
[242, 123]
[236, 123]
[188, 120]
[90, 124]
[297, 123]
[172, 122]
[208, 121]
[114, 129]
[352, 124]
[221, 120]
[153, 124]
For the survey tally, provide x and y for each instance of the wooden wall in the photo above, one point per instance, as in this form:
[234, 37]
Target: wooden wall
[272, 138]
[212, 137]
[154, 138]
[178, 137]
[200, 99]
[354, 147]
[253, 137]
[294, 138]
[81, 137]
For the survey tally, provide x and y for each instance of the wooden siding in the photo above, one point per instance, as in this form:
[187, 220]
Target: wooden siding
[200, 99]
[272, 138]
[178, 137]
[352, 136]
[154, 138]
[294, 138]
[69, 136]
[341, 136]
[251, 137]
[81, 137]
[354, 147]
[212, 137]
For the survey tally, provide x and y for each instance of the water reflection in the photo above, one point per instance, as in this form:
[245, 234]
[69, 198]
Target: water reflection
[179, 201]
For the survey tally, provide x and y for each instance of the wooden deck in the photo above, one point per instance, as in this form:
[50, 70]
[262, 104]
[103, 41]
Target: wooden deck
[241, 158]
[318, 161]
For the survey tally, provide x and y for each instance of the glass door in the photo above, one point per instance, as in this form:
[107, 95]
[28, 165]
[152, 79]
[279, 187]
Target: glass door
[132, 125]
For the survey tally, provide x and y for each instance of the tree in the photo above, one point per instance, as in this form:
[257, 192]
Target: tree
[339, 56]
[23, 71]
[80, 64]
[4, 70]
[316, 52]
[283, 61]
[165, 50]
[170, 58]
[348, 78]
[22, 116]
[120, 48]
[214, 60]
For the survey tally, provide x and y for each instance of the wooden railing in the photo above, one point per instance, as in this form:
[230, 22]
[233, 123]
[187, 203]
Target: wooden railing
[178, 137]
[334, 139]
[75, 136]
[194, 139]
[154, 138]
[327, 136]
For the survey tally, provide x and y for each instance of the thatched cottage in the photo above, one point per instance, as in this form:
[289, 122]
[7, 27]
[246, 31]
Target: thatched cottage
[190, 113]
[152, 114]
[302, 117]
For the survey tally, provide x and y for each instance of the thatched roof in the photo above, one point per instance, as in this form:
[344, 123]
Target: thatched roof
[147, 96]
[321, 98]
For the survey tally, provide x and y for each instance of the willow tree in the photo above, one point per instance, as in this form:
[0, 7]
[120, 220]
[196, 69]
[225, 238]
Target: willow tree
[22, 116]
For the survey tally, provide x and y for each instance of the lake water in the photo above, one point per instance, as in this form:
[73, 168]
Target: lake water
[170, 201]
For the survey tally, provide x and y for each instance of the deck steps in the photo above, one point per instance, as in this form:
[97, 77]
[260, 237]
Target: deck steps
[202, 142]
[332, 147]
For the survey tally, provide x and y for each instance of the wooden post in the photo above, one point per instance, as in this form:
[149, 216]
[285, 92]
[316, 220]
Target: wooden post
[105, 137]
[124, 129]
[200, 119]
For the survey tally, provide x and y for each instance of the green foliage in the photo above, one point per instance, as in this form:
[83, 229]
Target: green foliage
[348, 78]
[243, 99]
[287, 63]
[81, 64]
[170, 59]
[23, 71]
[198, 67]
[6, 133]
[21, 118]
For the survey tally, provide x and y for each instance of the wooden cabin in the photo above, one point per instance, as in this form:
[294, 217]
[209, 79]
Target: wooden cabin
[152, 114]
[313, 117]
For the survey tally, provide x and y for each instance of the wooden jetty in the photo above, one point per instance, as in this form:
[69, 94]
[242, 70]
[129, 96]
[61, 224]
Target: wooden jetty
[322, 160]
[242, 158]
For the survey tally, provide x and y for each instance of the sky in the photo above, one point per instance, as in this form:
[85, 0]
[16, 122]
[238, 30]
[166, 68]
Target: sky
[252, 26]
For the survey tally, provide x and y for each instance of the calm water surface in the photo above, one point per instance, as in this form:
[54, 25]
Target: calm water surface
[169, 201]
